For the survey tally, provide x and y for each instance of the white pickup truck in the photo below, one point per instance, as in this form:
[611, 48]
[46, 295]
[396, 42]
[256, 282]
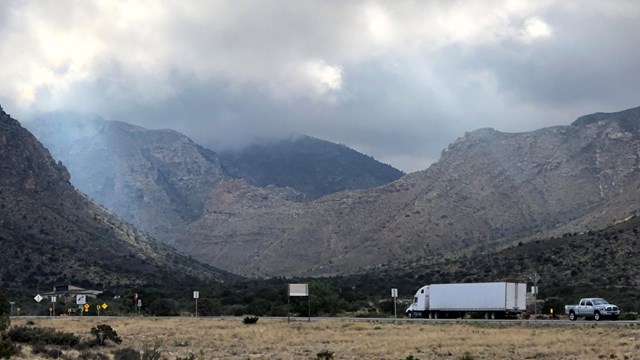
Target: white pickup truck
[592, 308]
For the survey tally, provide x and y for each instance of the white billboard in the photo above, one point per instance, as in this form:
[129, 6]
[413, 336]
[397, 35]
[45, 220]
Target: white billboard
[298, 289]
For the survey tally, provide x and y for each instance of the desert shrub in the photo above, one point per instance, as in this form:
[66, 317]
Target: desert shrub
[105, 332]
[188, 357]
[41, 349]
[152, 351]
[411, 357]
[126, 354]
[325, 355]
[53, 353]
[629, 316]
[250, 319]
[466, 356]
[164, 307]
[47, 336]
[181, 343]
[7, 348]
[5, 312]
[87, 355]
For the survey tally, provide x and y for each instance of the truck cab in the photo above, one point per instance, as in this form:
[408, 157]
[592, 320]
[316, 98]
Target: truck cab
[420, 303]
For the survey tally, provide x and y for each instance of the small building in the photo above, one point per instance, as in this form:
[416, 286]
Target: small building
[67, 292]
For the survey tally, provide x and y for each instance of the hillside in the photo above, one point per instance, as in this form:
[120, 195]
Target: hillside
[156, 180]
[489, 189]
[50, 233]
[312, 166]
[599, 262]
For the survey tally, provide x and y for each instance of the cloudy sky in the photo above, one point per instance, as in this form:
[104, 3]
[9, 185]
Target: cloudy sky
[398, 80]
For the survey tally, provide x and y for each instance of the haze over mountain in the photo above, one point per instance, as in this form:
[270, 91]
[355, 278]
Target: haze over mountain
[154, 179]
[50, 233]
[488, 189]
[159, 180]
[312, 166]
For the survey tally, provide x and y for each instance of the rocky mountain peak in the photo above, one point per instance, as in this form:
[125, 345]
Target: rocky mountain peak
[629, 118]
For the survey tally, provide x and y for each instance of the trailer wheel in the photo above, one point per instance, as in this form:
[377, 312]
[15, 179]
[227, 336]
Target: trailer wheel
[486, 316]
[572, 316]
[435, 315]
[493, 316]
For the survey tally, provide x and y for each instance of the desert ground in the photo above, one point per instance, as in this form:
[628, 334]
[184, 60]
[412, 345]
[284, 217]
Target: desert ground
[216, 338]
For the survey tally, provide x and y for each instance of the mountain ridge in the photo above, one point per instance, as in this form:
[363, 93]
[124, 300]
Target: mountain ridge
[50, 233]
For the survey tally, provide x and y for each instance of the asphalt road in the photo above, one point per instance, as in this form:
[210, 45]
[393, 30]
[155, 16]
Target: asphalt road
[503, 322]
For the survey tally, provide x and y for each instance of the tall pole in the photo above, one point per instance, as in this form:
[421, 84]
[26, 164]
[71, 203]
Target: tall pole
[535, 278]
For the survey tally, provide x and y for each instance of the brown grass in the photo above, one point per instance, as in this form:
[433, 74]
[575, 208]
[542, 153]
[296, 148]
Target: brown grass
[277, 339]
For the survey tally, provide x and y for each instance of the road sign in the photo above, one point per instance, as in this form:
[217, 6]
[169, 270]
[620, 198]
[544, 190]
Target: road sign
[53, 299]
[81, 299]
[394, 293]
[196, 294]
[104, 306]
[86, 307]
[38, 298]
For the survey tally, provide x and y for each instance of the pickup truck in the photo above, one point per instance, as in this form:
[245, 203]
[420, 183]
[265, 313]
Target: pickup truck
[592, 308]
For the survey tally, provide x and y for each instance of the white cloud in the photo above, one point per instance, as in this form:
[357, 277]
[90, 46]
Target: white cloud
[536, 28]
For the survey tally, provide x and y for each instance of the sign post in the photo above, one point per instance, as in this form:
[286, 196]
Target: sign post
[298, 290]
[394, 295]
[53, 305]
[196, 295]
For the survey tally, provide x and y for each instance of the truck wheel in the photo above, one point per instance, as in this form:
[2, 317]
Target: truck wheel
[572, 316]
[409, 314]
[596, 316]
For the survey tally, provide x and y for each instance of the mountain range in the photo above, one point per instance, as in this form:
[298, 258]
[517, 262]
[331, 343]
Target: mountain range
[488, 191]
[159, 180]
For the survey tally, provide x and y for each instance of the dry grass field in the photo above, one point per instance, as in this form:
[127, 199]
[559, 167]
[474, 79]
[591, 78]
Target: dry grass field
[276, 339]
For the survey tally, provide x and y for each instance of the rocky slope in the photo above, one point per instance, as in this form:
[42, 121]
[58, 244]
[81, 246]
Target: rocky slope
[50, 233]
[312, 166]
[156, 180]
[488, 189]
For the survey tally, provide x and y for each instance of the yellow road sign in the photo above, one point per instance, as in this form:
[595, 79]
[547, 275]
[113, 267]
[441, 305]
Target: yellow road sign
[104, 306]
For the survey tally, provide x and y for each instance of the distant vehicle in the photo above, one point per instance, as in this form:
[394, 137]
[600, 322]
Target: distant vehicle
[493, 300]
[592, 308]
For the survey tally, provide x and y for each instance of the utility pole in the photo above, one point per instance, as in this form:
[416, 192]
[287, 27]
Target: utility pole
[535, 278]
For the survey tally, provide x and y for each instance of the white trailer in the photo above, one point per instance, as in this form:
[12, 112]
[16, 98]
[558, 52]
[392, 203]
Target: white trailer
[493, 300]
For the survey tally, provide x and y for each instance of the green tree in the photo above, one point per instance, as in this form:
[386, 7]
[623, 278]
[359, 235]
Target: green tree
[5, 312]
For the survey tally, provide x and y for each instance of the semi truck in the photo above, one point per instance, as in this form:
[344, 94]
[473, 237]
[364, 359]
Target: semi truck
[493, 300]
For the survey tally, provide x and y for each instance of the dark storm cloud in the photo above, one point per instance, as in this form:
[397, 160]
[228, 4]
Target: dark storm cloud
[395, 79]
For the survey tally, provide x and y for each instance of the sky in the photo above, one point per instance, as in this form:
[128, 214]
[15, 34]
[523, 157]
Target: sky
[398, 80]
